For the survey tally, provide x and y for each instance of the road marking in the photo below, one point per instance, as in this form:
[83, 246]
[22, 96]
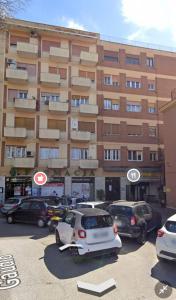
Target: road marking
[96, 288]
[62, 248]
[8, 273]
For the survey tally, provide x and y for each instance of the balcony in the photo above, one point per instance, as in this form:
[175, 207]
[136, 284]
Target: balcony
[17, 75]
[88, 109]
[88, 164]
[81, 136]
[59, 54]
[89, 58]
[15, 132]
[57, 163]
[59, 107]
[24, 162]
[25, 104]
[49, 134]
[27, 50]
[81, 83]
[49, 79]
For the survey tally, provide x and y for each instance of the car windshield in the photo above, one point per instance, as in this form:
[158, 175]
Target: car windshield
[171, 226]
[12, 201]
[84, 205]
[93, 222]
[120, 210]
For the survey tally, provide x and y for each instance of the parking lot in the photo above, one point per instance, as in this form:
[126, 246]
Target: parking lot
[46, 273]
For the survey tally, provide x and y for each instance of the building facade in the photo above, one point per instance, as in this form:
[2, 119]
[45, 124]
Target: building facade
[169, 113]
[83, 110]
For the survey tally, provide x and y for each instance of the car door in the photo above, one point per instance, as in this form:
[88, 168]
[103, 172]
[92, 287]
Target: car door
[147, 213]
[22, 213]
[35, 211]
[66, 228]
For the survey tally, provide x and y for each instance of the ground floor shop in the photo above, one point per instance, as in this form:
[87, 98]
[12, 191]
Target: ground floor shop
[97, 184]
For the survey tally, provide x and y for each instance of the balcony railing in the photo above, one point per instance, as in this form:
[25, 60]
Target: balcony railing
[89, 58]
[24, 162]
[25, 104]
[88, 164]
[81, 136]
[59, 54]
[89, 109]
[16, 75]
[82, 83]
[27, 50]
[59, 107]
[49, 79]
[49, 134]
[57, 163]
[15, 132]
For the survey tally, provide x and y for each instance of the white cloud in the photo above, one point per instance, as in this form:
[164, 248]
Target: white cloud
[71, 23]
[150, 14]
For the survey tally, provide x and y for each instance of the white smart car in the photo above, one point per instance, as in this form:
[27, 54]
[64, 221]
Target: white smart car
[166, 240]
[93, 229]
[93, 204]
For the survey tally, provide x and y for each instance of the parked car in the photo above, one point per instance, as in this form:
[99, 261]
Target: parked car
[135, 219]
[93, 204]
[166, 240]
[34, 211]
[12, 203]
[93, 229]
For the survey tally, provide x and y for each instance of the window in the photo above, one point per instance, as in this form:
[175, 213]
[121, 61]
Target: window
[25, 205]
[35, 206]
[22, 95]
[107, 104]
[46, 153]
[133, 107]
[28, 123]
[133, 84]
[132, 60]
[111, 129]
[94, 222]
[77, 153]
[171, 226]
[152, 109]
[46, 97]
[110, 154]
[134, 130]
[108, 80]
[57, 124]
[77, 100]
[151, 86]
[152, 131]
[111, 58]
[134, 155]
[153, 155]
[150, 62]
[15, 151]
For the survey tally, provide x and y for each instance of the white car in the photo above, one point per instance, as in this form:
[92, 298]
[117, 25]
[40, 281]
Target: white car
[93, 204]
[93, 229]
[166, 240]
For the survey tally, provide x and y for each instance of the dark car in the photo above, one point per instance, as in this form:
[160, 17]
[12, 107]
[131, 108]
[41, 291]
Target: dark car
[135, 219]
[34, 211]
[12, 203]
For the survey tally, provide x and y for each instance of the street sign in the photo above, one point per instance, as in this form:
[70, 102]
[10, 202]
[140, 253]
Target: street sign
[40, 178]
[133, 175]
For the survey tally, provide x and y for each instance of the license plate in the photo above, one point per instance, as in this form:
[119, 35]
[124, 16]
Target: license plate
[100, 235]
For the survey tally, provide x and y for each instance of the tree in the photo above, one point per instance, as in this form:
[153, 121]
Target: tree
[8, 8]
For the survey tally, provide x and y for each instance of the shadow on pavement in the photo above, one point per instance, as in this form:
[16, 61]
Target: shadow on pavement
[129, 245]
[62, 266]
[20, 229]
[165, 271]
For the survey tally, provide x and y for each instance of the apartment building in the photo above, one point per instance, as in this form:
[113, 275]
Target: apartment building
[82, 109]
[169, 113]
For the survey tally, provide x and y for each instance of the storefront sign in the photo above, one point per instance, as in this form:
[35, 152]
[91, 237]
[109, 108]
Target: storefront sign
[8, 273]
[40, 178]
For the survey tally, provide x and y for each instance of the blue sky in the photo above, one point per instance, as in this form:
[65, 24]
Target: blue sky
[151, 21]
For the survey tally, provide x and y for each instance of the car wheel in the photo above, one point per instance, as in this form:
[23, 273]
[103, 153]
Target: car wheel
[58, 241]
[10, 220]
[40, 223]
[142, 237]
